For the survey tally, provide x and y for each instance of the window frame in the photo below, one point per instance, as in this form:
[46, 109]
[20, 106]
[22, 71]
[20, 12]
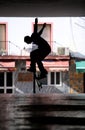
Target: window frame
[6, 34]
[49, 79]
[5, 87]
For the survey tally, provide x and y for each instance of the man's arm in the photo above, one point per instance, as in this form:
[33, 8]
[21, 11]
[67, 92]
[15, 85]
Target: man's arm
[40, 32]
[35, 25]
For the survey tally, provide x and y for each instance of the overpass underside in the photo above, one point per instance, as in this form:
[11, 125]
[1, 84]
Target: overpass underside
[41, 8]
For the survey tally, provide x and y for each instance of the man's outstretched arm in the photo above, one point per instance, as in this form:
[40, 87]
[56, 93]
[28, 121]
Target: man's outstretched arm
[35, 25]
[40, 32]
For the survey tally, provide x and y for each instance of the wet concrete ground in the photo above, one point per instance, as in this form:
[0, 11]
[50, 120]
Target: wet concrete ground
[42, 112]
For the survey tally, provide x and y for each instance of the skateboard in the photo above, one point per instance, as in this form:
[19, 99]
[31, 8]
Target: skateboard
[38, 79]
[39, 84]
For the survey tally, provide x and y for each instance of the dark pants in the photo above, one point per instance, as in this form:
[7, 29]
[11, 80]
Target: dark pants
[36, 57]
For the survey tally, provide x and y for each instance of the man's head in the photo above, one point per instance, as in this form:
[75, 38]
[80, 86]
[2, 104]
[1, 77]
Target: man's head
[27, 39]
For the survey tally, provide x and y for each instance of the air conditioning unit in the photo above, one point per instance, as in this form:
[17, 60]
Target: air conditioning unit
[62, 51]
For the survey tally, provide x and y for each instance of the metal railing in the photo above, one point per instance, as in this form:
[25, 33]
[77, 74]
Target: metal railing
[10, 48]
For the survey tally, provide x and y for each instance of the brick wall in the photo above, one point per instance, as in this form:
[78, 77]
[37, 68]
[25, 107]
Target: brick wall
[75, 79]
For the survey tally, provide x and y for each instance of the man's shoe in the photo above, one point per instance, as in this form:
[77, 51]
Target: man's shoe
[41, 76]
[44, 72]
[31, 70]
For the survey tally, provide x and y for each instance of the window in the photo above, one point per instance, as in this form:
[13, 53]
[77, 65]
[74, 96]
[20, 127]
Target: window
[9, 79]
[52, 77]
[6, 82]
[2, 79]
[55, 78]
[2, 36]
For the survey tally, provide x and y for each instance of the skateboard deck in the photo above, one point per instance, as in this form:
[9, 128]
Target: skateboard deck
[38, 78]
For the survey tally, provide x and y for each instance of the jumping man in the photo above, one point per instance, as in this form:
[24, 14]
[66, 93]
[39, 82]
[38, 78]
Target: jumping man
[38, 55]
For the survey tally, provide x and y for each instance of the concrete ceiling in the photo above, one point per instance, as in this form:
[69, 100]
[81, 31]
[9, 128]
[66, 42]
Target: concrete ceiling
[41, 8]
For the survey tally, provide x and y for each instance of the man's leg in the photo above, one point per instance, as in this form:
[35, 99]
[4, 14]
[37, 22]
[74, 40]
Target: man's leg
[43, 71]
[36, 57]
[41, 67]
[32, 62]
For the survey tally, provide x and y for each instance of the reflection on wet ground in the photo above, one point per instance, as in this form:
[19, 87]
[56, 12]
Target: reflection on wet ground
[42, 112]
